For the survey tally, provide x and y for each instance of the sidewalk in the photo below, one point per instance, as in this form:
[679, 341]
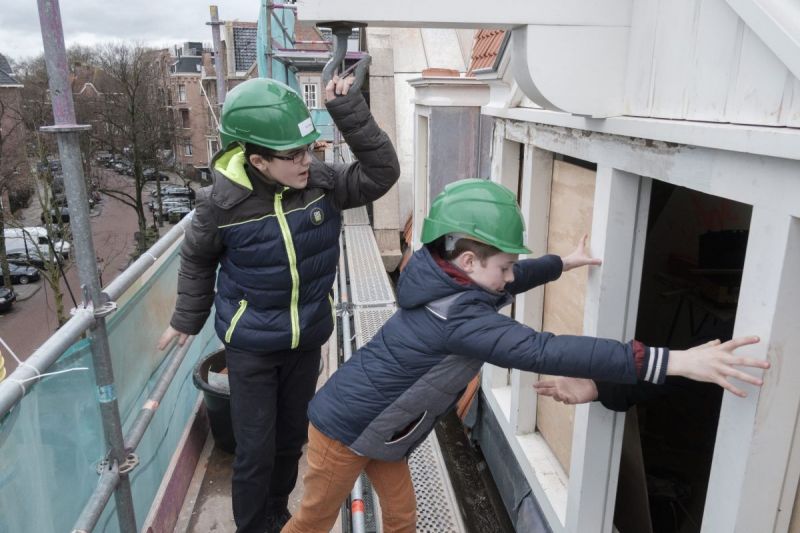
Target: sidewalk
[26, 291]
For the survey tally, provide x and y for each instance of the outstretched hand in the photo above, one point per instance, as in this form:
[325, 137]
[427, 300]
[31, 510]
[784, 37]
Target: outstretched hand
[570, 391]
[338, 87]
[581, 256]
[169, 334]
[714, 362]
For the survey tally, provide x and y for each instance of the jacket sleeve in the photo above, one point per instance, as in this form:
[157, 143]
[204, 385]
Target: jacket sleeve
[376, 168]
[200, 254]
[531, 273]
[475, 329]
[621, 397]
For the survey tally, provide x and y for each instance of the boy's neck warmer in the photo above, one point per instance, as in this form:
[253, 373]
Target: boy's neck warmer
[458, 275]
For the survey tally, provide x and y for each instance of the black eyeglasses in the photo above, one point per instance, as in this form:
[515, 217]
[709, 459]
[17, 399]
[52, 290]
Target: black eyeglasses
[297, 156]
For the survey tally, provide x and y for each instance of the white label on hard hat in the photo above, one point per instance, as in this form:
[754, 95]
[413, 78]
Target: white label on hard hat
[306, 127]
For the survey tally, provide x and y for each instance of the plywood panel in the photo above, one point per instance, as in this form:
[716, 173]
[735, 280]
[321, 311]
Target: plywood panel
[794, 526]
[571, 202]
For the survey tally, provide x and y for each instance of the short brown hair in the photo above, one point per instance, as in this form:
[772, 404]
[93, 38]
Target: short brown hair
[255, 149]
[481, 250]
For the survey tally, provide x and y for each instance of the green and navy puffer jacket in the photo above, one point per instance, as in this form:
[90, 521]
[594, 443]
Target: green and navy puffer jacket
[386, 399]
[277, 248]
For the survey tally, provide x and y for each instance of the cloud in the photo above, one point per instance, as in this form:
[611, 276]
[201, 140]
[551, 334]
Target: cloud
[156, 23]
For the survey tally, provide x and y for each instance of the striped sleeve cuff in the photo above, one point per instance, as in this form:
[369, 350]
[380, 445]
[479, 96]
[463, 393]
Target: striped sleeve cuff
[651, 362]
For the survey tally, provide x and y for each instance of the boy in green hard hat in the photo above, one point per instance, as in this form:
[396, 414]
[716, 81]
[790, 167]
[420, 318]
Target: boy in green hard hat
[266, 233]
[385, 400]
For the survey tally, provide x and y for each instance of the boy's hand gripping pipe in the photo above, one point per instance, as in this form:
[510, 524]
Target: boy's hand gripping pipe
[341, 31]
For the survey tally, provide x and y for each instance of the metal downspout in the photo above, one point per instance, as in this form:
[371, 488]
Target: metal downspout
[67, 134]
[357, 494]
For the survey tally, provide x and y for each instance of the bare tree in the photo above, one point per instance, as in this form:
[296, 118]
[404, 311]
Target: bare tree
[15, 181]
[37, 112]
[132, 119]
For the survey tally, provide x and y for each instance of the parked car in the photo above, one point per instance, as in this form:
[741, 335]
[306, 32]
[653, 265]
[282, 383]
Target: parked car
[34, 237]
[175, 214]
[175, 190]
[36, 257]
[150, 174]
[23, 274]
[7, 299]
[57, 213]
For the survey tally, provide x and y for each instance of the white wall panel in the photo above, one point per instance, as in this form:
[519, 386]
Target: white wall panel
[698, 60]
[674, 56]
[759, 86]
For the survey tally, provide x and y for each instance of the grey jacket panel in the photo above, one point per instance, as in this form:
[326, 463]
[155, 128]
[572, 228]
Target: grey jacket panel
[407, 421]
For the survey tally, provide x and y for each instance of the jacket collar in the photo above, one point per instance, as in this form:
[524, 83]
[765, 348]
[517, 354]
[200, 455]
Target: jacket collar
[234, 179]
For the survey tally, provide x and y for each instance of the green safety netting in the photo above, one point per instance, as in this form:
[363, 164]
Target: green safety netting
[52, 442]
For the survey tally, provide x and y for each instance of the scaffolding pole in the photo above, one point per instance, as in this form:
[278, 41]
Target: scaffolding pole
[67, 134]
[215, 24]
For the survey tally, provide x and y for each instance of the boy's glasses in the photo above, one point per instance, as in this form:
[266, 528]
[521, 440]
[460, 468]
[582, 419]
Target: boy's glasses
[296, 156]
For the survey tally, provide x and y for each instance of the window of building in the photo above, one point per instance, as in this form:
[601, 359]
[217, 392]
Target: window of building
[213, 148]
[187, 147]
[181, 92]
[185, 121]
[310, 95]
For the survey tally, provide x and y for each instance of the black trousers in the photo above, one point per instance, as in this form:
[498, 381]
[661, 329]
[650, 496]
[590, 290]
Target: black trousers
[270, 392]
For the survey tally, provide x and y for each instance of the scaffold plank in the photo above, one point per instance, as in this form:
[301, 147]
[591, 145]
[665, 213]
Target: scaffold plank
[356, 216]
[369, 283]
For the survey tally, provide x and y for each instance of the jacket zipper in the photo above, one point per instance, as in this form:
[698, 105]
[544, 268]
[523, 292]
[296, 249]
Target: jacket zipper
[235, 320]
[287, 240]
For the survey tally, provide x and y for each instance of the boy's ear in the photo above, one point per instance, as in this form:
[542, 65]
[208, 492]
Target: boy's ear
[466, 261]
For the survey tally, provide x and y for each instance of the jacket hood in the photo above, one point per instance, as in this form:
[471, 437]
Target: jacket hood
[423, 281]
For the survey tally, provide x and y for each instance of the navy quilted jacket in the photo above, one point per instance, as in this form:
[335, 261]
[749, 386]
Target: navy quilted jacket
[273, 250]
[387, 397]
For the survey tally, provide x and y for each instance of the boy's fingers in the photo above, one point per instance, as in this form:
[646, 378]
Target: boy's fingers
[744, 376]
[749, 361]
[739, 342]
[725, 384]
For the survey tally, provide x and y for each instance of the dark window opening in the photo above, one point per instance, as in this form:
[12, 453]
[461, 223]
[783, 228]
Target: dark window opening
[691, 274]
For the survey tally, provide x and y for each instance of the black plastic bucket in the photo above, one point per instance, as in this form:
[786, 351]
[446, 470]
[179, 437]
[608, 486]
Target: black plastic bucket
[218, 402]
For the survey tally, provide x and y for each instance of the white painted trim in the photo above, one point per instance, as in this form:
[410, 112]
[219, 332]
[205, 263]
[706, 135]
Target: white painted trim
[597, 437]
[775, 23]
[537, 177]
[466, 13]
[754, 437]
[746, 178]
[760, 140]
[542, 470]
[421, 183]
[450, 91]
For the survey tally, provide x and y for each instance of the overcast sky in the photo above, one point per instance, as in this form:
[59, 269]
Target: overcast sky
[155, 22]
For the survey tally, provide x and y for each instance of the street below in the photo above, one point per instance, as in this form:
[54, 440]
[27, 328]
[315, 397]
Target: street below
[31, 321]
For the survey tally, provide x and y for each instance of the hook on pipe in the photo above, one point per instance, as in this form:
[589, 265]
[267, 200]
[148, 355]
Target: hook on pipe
[341, 31]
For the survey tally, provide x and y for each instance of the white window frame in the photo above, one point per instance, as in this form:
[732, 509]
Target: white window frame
[421, 187]
[311, 95]
[187, 148]
[181, 93]
[754, 473]
[210, 147]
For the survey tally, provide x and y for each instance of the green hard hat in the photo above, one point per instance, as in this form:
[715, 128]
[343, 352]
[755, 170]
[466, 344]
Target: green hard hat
[481, 209]
[268, 113]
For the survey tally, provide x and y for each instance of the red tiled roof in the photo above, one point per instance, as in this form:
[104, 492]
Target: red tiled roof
[485, 49]
[304, 31]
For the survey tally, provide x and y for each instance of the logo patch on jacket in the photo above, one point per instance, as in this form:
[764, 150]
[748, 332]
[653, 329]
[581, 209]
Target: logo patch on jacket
[317, 216]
